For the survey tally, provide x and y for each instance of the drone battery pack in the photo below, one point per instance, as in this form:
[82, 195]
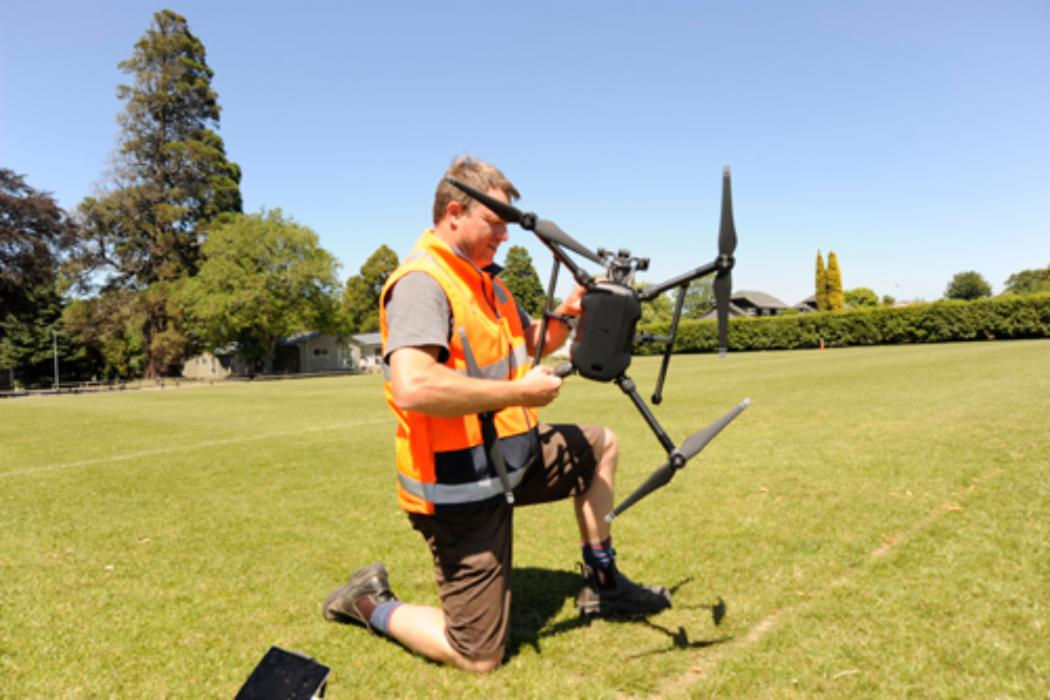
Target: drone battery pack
[285, 675]
[605, 333]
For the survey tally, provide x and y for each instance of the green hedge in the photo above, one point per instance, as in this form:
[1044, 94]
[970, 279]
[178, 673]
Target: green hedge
[1010, 316]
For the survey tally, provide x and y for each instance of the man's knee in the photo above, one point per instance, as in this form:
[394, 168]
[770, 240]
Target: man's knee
[482, 665]
[610, 449]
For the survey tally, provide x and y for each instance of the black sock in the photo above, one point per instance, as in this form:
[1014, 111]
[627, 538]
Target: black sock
[601, 558]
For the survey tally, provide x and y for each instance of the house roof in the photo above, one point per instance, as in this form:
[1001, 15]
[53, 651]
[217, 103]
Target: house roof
[759, 299]
[367, 339]
[299, 339]
[734, 310]
[807, 304]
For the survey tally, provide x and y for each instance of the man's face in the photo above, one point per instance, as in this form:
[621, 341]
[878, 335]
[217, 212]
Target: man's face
[480, 231]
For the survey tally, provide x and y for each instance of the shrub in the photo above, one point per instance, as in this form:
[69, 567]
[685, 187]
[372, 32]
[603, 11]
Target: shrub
[1005, 317]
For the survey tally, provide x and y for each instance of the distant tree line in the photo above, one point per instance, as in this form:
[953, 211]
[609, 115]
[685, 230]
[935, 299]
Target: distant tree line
[964, 286]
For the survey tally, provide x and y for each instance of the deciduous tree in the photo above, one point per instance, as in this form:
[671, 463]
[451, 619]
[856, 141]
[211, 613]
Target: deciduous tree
[1029, 281]
[659, 310]
[861, 297]
[968, 285]
[263, 278]
[35, 237]
[699, 299]
[361, 292]
[109, 327]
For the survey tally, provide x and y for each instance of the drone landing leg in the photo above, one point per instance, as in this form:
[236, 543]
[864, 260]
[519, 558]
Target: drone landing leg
[626, 385]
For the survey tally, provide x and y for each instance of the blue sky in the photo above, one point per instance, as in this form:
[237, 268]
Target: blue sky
[912, 138]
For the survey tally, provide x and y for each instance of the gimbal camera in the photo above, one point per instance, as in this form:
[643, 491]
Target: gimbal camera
[605, 332]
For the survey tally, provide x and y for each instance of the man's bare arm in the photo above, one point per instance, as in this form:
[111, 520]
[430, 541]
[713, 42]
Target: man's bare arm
[420, 383]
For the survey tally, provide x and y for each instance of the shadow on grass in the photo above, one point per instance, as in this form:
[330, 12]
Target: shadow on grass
[538, 595]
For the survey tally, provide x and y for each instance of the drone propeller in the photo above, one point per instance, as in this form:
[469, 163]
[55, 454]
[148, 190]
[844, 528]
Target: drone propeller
[689, 448]
[723, 284]
[546, 230]
[550, 231]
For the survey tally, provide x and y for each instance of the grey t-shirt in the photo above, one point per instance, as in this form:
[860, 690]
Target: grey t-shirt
[418, 313]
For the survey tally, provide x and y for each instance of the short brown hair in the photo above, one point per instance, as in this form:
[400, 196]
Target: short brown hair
[473, 173]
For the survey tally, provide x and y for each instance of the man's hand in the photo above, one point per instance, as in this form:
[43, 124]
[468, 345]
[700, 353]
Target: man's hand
[572, 306]
[539, 387]
[558, 331]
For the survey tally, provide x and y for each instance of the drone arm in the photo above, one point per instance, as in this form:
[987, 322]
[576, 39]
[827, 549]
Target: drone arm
[546, 308]
[582, 277]
[679, 303]
[650, 293]
[626, 385]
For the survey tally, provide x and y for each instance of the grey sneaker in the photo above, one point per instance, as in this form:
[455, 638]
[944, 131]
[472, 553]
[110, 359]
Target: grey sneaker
[355, 600]
[620, 597]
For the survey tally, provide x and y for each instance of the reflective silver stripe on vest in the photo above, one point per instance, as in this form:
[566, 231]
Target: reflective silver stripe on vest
[519, 357]
[447, 494]
[500, 294]
[502, 368]
[473, 370]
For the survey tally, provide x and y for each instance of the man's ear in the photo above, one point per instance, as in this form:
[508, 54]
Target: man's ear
[454, 209]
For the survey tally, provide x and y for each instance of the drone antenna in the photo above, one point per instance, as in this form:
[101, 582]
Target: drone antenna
[723, 284]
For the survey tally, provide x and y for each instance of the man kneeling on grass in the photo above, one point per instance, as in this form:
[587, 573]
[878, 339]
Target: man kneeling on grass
[456, 355]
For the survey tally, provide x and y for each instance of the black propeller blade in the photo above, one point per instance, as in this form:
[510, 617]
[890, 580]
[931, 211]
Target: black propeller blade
[723, 284]
[692, 445]
[507, 212]
[689, 448]
[547, 230]
[660, 477]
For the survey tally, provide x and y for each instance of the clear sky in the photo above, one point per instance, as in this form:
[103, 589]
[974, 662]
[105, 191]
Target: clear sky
[911, 137]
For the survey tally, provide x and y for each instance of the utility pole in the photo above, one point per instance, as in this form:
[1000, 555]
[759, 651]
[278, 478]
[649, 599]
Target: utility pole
[54, 346]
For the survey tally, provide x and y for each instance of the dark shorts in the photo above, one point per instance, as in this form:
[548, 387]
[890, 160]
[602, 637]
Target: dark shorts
[472, 548]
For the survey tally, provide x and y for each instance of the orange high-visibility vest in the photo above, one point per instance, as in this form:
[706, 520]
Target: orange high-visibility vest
[441, 462]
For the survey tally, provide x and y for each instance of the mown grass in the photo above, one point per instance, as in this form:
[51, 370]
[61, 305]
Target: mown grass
[876, 523]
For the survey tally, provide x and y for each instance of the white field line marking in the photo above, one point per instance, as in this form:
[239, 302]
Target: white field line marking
[706, 662]
[186, 448]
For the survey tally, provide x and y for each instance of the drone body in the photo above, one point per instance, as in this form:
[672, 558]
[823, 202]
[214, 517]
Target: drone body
[605, 333]
[604, 338]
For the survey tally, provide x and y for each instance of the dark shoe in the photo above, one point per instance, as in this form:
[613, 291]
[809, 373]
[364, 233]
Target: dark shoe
[355, 600]
[618, 596]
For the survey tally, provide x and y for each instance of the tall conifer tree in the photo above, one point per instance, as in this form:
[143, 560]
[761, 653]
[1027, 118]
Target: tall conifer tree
[523, 281]
[171, 181]
[836, 297]
[821, 284]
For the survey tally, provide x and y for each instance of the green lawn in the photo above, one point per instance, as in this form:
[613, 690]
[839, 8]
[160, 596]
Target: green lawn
[877, 522]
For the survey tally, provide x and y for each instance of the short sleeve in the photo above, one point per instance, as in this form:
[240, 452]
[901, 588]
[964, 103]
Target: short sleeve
[418, 314]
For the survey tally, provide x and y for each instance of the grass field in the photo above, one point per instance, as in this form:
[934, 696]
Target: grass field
[878, 523]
